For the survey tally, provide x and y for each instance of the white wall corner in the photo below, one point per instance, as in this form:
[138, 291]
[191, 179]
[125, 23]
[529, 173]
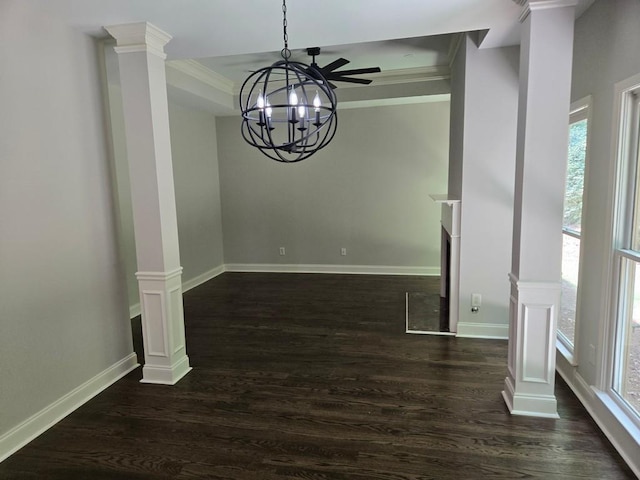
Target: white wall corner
[25, 432]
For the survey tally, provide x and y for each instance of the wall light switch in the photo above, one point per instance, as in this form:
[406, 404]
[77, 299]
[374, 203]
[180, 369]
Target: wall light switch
[282, 252]
[343, 251]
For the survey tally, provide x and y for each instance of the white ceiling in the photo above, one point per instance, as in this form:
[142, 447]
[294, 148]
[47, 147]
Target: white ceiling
[211, 28]
[232, 37]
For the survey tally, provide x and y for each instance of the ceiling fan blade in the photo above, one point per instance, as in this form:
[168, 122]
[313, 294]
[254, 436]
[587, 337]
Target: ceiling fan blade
[362, 81]
[332, 85]
[358, 71]
[341, 62]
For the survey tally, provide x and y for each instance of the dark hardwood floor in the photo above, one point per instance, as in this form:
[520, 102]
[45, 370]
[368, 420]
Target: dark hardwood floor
[312, 377]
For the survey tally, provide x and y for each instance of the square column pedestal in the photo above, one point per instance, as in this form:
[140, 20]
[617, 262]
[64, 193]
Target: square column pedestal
[166, 359]
[533, 312]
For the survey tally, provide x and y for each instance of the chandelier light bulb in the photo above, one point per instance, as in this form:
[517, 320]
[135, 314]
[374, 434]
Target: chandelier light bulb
[316, 102]
[293, 97]
[268, 110]
[301, 111]
[260, 101]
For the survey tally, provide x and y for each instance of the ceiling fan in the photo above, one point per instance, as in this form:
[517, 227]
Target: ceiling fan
[330, 73]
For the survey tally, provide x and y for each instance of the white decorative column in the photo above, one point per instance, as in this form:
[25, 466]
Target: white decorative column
[546, 52]
[140, 48]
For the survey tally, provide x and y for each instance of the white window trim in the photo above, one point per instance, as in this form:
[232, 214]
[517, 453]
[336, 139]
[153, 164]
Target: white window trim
[579, 110]
[623, 101]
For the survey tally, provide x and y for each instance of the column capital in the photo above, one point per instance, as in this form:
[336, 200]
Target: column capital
[139, 37]
[532, 5]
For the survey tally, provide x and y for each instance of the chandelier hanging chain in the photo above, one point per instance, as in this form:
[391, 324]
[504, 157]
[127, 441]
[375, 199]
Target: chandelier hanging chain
[286, 53]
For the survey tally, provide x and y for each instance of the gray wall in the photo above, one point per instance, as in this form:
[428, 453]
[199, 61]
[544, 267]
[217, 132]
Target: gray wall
[197, 185]
[367, 191]
[483, 129]
[63, 315]
[195, 169]
[605, 52]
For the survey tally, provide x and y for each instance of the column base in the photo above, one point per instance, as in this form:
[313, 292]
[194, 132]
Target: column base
[163, 375]
[529, 388]
[543, 406]
[165, 353]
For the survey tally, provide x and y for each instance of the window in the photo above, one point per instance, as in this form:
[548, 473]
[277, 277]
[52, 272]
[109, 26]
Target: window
[572, 224]
[625, 369]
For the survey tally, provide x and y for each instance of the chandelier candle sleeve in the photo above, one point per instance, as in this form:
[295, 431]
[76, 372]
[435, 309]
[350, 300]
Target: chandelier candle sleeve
[317, 103]
[260, 104]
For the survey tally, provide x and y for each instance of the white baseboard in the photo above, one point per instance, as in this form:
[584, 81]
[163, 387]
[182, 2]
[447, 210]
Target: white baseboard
[38, 423]
[625, 438]
[200, 279]
[483, 330]
[342, 269]
[134, 310]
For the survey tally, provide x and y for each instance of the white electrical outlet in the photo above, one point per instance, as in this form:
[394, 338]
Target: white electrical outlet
[343, 251]
[476, 300]
[282, 251]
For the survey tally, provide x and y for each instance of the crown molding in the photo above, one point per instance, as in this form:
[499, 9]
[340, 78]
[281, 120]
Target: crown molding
[409, 75]
[203, 74]
[533, 5]
[199, 72]
[395, 77]
[139, 37]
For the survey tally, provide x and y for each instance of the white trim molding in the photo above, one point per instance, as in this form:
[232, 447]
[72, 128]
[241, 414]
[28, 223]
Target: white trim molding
[409, 75]
[134, 310]
[533, 5]
[139, 37]
[497, 331]
[202, 278]
[203, 74]
[25, 432]
[340, 269]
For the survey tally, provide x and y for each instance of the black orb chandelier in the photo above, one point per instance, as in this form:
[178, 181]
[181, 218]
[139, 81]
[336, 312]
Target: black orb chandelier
[289, 108]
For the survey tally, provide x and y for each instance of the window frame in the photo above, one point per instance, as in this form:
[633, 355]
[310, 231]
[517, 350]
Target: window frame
[579, 110]
[626, 152]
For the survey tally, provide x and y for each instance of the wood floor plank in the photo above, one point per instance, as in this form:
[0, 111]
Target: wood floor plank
[300, 376]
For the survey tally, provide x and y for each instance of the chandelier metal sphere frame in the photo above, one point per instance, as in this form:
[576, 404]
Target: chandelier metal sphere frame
[288, 109]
